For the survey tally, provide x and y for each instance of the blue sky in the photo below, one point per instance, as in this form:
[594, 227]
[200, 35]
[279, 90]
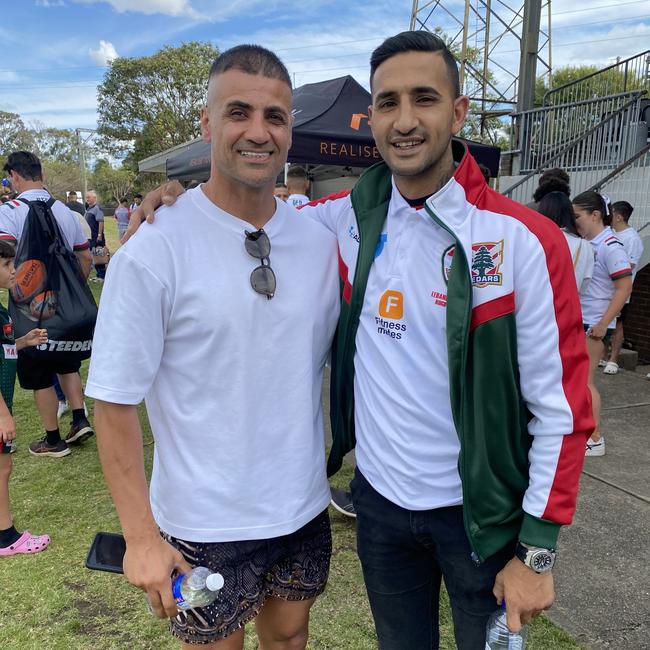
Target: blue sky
[55, 51]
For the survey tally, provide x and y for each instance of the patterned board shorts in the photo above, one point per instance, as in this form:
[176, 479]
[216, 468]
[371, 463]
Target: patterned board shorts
[291, 567]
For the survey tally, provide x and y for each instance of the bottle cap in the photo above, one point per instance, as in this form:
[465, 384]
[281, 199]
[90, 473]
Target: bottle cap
[214, 582]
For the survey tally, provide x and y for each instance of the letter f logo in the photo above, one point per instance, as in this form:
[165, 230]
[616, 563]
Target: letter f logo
[391, 305]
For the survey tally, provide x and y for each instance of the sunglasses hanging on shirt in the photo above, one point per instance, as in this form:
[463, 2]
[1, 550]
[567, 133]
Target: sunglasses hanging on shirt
[262, 277]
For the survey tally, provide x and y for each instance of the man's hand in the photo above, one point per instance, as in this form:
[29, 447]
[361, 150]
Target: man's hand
[7, 427]
[33, 338]
[149, 565]
[526, 593]
[163, 194]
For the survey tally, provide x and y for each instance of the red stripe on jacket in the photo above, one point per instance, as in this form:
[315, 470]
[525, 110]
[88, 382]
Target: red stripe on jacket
[568, 316]
[329, 197]
[343, 272]
[492, 309]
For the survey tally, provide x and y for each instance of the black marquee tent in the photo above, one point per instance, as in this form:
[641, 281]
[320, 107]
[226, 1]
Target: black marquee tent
[330, 128]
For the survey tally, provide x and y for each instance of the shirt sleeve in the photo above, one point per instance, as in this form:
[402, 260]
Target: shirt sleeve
[130, 332]
[635, 250]
[77, 236]
[327, 210]
[616, 259]
[8, 220]
[99, 214]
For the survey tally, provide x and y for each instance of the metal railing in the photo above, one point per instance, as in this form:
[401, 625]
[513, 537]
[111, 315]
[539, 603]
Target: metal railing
[621, 77]
[539, 134]
[605, 146]
[630, 182]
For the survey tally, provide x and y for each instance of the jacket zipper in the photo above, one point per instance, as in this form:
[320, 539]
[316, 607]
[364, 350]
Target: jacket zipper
[476, 558]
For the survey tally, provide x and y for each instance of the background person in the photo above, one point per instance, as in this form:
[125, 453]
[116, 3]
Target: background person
[25, 172]
[95, 218]
[298, 185]
[11, 541]
[551, 180]
[604, 296]
[558, 208]
[122, 215]
[633, 244]
[281, 191]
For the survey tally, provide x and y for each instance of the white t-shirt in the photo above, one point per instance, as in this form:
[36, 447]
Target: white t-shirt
[296, 200]
[406, 442]
[232, 380]
[13, 215]
[610, 263]
[633, 245]
[582, 256]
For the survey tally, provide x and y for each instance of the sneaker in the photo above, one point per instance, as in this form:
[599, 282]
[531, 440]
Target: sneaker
[63, 408]
[611, 368]
[43, 448]
[342, 501]
[595, 448]
[79, 432]
[602, 363]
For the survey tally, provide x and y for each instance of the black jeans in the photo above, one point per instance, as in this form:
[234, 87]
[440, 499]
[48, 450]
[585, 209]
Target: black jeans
[404, 555]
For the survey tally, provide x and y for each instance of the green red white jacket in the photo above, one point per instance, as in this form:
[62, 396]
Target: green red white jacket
[516, 351]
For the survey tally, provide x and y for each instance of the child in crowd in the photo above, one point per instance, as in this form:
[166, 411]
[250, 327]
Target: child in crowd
[11, 541]
[122, 214]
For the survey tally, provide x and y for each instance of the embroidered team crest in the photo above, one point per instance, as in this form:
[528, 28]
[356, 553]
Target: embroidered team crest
[487, 258]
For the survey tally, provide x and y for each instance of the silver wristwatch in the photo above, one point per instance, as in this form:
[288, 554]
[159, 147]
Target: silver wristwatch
[540, 560]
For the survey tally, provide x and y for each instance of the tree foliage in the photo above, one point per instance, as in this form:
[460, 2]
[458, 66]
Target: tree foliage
[14, 135]
[607, 83]
[153, 102]
[61, 176]
[111, 184]
[54, 144]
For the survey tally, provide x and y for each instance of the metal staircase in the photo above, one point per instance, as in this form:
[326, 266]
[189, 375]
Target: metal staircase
[597, 129]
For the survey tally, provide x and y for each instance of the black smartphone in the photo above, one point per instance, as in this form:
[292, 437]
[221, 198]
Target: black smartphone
[107, 553]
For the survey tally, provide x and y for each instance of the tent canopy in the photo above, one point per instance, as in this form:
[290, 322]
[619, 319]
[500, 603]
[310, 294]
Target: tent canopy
[330, 128]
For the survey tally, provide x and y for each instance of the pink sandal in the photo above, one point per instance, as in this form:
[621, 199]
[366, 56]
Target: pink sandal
[27, 544]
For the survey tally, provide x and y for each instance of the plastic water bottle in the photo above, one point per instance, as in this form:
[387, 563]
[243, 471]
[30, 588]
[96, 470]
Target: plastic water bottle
[499, 637]
[198, 588]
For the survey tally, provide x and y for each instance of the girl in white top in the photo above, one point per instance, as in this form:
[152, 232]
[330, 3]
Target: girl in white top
[605, 295]
[558, 207]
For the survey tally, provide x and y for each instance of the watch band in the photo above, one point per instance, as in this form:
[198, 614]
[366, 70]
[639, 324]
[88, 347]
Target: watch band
[540, 560]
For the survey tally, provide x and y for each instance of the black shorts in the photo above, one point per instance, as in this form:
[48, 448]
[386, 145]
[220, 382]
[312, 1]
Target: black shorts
[291, 567]
[37, 374]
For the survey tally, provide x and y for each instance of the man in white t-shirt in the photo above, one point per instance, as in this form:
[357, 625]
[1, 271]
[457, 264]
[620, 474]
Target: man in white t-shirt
[298, 186]
[629, 237]
[24, 170]
[220, 316]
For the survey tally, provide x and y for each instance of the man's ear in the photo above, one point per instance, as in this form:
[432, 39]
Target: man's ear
[205, 124]
[369, 115]
[461, 107]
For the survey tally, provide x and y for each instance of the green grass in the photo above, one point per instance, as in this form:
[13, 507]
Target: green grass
[50, 601]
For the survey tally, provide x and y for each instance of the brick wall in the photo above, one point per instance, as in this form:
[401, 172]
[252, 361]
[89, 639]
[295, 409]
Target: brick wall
[637, 324]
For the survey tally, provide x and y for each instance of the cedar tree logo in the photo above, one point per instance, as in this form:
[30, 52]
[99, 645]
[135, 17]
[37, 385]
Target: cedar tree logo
[487, 257]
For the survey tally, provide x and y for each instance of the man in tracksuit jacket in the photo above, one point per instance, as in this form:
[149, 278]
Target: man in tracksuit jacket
[459, 368]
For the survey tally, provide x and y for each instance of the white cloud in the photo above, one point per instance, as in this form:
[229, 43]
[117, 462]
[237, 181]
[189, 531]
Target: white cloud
[50, 3]
[105, 54]
[166, 7]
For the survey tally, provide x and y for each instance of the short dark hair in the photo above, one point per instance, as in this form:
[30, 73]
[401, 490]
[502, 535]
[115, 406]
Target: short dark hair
[557, 207]
[296, 171]
[25, 164]
[623, 208]
[251, 59]
[284, 185]
[137, 196]
[416, 41]
[73, 193]
[554, 172]
[7, 250]
[551, 184]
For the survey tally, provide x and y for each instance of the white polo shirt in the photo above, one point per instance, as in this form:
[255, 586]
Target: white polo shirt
[232, 381]
[610, 263]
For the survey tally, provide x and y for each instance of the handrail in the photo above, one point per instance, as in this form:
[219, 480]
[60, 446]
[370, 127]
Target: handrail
[582, 80]
[621, 168]
[572, 145]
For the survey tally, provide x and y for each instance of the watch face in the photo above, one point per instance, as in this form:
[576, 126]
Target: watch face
[542, 561]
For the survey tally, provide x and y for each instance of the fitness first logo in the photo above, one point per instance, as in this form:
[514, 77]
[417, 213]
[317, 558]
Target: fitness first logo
[391, 312]
[487, 258]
